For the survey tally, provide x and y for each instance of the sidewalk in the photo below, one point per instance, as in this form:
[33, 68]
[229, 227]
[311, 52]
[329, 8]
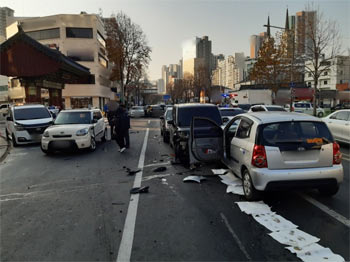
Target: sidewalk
[4, 145]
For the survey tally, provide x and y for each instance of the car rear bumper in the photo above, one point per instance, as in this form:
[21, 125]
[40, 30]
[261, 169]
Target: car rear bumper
[266, 179]
[61, 144]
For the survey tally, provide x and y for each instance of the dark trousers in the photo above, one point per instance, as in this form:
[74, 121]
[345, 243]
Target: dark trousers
[122, 138]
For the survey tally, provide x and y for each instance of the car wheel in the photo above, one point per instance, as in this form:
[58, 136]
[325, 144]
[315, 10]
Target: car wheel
[251, 194]
[165, 138]
[14, 141]
[46, 151]
[92, 144]
[329, 190]
[320, 114]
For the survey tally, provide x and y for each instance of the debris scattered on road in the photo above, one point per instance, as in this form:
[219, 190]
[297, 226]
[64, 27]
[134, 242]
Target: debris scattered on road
[137, 190]
[220, 171]
[197, 179]
[254, 207]
[175, 162]
[235, 189]
[159, 169]
[146, 178]
[294, 238]
[230, 179]
[164, 155]
[132, 172]
[274, 222]
[118, 203]
[154, 161]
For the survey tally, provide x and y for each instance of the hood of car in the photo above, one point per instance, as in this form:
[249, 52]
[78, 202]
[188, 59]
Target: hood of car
[30, 122]
[67, 129]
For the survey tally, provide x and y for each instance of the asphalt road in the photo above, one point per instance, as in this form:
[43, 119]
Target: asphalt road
[74, 207]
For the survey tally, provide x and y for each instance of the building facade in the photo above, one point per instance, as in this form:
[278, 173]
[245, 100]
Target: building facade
[304, 22]
[81, 38]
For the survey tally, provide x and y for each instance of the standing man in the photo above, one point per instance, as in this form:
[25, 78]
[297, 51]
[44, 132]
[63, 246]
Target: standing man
[122, 128]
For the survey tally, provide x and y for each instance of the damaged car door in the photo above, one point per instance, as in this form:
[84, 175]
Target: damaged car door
[206, 140]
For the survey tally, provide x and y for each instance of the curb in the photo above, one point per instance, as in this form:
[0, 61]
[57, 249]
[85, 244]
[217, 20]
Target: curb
[4, 155]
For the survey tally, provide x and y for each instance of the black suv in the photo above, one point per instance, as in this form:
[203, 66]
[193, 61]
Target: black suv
[179, 127]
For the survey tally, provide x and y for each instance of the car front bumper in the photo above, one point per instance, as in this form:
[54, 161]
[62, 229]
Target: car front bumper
[79, 142]
[264, 178]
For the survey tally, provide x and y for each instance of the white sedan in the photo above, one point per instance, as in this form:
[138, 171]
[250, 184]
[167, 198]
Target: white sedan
[137, 111]
[79, 128]
[339, 124]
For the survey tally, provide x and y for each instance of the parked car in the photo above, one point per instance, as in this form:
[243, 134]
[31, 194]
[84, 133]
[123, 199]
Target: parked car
[307, 108]
[137, 111]
[164, 126]
[78, 128]
[268, 108]
[179, 127]
[25, 124]
[345, 105]
[245, 107]
[227, 113]
[339, 124]
[157, 110]
[271, 150]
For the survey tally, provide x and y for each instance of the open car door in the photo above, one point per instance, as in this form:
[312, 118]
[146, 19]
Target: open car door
[206, 140]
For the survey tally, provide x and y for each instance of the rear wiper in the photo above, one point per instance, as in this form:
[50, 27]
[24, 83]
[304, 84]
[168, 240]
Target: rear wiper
[289, 142]
[326, 140]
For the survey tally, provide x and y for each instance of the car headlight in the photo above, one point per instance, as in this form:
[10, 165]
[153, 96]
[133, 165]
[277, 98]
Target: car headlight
[82, 132]
[46, 134]
[19, 127]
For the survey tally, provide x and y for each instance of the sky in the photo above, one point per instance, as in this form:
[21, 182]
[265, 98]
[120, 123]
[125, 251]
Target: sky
[168, 23]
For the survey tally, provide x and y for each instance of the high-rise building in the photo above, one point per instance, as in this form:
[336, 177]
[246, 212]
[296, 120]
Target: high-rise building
[81, 38]
[5, 15]
[304, 23]
[161, 86]
[256, 42]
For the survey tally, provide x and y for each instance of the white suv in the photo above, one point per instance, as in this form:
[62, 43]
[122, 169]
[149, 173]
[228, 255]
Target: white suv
[271, 150]
[25, 124]
[307, 108]
[78, 128]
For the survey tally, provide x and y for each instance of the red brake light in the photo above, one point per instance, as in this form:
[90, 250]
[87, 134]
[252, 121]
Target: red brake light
[259, 158]
[337, 155]
[292, 108]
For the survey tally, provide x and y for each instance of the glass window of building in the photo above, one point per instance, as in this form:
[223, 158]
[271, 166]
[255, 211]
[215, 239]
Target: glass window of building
[101, 39]
[77, 32]
[103, 61]
[45, 34]
[81, 102]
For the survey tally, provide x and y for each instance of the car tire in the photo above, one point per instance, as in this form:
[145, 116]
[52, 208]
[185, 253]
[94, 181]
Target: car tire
[14, 141]
[166, 138]
[46, 151]
[92, 144]
[329, 190]
[320, 114]
[250, 193]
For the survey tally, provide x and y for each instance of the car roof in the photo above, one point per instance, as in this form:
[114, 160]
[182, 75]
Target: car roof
[280, 116]
[29, 106]
[230, 108]
[194, 105]
[80, 110]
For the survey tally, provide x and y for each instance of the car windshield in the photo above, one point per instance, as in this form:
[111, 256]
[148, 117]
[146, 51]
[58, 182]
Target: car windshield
[169, 114]
[231, 112]
[291, 134]
[186, 114]
[137, 108]
[65, 118]
[31, 113]
[275, 108]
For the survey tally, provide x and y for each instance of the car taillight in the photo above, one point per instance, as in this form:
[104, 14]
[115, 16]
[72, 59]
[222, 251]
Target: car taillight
[292, 108]
[259, 156]
[337, 155]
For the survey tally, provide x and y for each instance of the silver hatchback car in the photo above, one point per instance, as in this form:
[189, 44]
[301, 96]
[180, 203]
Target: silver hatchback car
[271, 150]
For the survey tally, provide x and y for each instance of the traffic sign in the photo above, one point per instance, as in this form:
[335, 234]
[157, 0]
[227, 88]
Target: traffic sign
[166, 97]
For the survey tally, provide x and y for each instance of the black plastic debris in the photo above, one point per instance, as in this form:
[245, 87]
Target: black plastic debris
[118, 203]
[159, 169]
[137, 190]
[132, 172]
[172, 162]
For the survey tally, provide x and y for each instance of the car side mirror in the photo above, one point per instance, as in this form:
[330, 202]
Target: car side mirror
[9, 118]
[94, 121]
[170, 122]
[224, 119]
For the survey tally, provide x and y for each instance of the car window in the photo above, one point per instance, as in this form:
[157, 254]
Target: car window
[334, 116]
[186, 114]
[65, 118]
[342, 116]
[169, 115]
[97, 115]
[299, 105]
[31, 113]
[275, 108]
[290, 134]
[257, 109]
[244, 128]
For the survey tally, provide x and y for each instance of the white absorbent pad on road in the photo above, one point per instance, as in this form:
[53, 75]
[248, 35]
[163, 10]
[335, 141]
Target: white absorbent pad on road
[294, 238]
[230, 179]
[253, 208]
[315, 253]
[219, 171]
[274, 222]
[197, 179]
[235, 189]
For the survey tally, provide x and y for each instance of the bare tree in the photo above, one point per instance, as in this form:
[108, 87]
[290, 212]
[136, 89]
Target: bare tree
[127, 48]
[322, 39]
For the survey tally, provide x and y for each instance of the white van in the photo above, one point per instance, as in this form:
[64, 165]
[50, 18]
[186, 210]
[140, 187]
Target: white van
[25, 124]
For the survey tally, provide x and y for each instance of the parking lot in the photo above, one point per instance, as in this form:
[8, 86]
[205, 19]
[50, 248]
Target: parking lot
[78, 207]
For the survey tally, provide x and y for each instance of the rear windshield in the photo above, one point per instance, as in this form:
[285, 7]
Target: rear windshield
[232, 112]
[31, 113]
[65, 118]
[169, 114]
[186, 114]
[244, 106]
[275, 108]
[294, 133]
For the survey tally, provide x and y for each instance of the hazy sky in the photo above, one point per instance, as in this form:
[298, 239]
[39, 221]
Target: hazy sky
[168, 23]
